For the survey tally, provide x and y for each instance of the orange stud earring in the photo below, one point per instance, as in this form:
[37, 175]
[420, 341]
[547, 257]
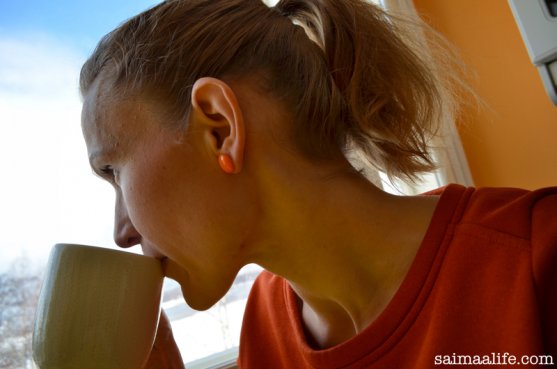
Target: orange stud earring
[226, 163]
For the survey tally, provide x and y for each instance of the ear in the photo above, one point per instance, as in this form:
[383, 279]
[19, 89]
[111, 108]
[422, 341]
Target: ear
[214, 106]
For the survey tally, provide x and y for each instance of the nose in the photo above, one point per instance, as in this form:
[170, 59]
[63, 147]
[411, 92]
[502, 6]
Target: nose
[125, 234]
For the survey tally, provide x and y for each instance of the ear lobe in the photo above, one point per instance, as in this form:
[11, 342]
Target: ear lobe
[216, 107]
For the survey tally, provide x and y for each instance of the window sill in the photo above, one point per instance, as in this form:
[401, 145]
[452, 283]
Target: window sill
[222, 360]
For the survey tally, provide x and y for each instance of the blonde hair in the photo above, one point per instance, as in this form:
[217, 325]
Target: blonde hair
[344, 68]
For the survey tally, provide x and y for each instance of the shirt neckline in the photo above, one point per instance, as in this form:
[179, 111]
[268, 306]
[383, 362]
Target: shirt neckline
[395, 320]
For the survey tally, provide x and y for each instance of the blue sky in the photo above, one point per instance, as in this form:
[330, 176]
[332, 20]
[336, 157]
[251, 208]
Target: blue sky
[79, 23]
[47, 192]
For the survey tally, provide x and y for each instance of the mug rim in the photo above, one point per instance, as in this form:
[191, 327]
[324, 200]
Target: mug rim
[61, 246]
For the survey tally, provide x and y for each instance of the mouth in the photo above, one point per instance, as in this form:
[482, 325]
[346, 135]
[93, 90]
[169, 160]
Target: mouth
[164, 263]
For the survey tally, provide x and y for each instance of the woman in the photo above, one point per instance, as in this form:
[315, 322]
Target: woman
[225, 126]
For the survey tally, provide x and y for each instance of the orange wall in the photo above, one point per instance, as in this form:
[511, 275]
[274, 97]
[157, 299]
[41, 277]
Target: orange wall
[514, 141]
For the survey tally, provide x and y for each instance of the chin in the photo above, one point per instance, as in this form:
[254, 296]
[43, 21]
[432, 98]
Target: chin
[200, 301]
[201, 291]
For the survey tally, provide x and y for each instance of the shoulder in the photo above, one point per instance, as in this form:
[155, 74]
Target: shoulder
[266, 279]
[267, 290]
[507, 223]
[528, 219]
[512, 211]
[268, 326]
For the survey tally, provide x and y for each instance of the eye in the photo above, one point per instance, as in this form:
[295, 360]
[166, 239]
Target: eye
[107, 172]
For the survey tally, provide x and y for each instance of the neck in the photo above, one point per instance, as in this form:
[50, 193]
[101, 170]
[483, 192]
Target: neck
[343, 244]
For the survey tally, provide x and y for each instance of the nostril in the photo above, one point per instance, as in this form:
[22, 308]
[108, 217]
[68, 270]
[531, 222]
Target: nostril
[125, 234]
[132, 241]
[125, 240]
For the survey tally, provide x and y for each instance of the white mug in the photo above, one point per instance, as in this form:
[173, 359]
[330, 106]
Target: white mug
[98, 308]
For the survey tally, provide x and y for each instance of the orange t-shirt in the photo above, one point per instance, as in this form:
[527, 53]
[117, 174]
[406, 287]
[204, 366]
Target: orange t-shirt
[484, 282]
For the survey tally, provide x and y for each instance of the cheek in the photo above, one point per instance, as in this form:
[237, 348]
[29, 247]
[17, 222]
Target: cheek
[149, 199]
[170, 202]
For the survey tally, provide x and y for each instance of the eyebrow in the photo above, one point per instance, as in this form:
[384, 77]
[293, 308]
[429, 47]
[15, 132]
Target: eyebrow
[97, 171]
[94, 155]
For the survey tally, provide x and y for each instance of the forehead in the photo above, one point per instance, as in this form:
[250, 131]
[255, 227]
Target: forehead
[94, 114]
[109, 121]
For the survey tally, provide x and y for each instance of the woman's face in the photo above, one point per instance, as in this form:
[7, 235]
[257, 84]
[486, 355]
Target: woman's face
[171, 195]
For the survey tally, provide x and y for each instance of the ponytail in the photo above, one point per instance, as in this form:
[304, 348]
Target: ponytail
[343, 68]
[390, 95]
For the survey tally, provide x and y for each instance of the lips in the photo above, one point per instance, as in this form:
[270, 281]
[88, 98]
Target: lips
[164, 263]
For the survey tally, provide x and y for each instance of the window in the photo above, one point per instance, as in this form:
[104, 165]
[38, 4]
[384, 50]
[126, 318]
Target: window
[47, 191]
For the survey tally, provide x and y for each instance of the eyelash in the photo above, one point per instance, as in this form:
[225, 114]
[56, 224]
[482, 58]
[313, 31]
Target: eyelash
[107, 171]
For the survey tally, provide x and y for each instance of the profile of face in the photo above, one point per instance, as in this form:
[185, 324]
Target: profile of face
[171, 195]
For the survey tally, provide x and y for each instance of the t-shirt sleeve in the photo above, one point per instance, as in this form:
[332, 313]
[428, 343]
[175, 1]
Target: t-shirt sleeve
[544, 259]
